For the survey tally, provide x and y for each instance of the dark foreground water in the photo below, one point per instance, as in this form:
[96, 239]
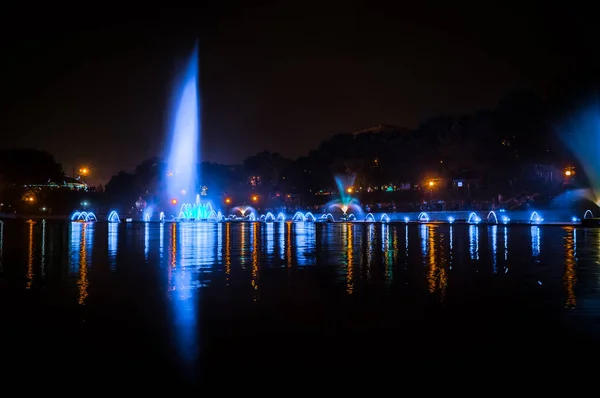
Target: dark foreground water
[148, 305]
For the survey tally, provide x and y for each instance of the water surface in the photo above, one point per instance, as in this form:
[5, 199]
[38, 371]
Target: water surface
[183, 303]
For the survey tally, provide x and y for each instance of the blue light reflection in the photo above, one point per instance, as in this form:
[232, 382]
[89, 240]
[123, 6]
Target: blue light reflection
[113, 245]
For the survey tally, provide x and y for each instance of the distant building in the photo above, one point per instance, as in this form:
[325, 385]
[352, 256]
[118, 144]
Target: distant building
[73, 184]
[383, 129]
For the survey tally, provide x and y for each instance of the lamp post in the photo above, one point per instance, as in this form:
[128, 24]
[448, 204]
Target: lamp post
[83, 171]
[431, 185]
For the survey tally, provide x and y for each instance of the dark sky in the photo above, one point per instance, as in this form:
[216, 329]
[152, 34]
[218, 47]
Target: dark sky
[93, 87]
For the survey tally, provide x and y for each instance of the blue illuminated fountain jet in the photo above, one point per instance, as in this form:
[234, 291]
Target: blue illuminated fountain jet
[184, 151]
[582, 136]
[346, 203]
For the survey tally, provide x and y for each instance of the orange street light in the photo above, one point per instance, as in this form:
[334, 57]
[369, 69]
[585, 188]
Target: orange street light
[227, 200]
[173, 201]
[255, 198]
[84, 171]
[349, 190]
[431, 183]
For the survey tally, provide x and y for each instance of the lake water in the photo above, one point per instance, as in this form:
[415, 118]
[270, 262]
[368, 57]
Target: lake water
[200, 303]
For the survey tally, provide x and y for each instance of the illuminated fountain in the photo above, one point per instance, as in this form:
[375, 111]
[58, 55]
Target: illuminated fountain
[269, 217]
[243, 213]
[588, 219]
[198, 211]
[535, 218]
[492, 218]
[304, 217]
[185, 135]
[327, 217]
[346, 202]
[183, 157]
[581, 134]
[113, 216]
[83, 216]
[474, 218]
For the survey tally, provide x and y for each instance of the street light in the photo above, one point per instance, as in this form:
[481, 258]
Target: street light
[431, 184]
[84, 171]
[569, 172]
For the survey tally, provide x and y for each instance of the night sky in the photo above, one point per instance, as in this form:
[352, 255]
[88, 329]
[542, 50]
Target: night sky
[93, 88]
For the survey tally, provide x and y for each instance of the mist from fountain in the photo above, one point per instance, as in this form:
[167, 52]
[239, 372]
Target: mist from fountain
[581, 134]
[182, 177]
[185, 135]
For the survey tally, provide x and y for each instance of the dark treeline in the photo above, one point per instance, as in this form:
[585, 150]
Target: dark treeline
[511, 150]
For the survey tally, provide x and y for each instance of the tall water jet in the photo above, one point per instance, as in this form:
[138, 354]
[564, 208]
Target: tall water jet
[184, 133]
[346, 203]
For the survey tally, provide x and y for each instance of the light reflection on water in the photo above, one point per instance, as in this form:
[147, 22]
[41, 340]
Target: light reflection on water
[113, 245]
[255, 262]
[209, 253]
[80, 259]
[31, 223]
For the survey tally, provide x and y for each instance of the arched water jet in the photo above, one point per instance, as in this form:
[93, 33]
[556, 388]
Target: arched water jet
[588, 214]
[83, 216]
[492, 218]
[327, 217]
[535, 218]
[280, 217]
[385, 218]
[298, 217]
[369, 218]
[473, 218]
[309, 217]
[113, 216]
[269, 217]
[423, 217]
